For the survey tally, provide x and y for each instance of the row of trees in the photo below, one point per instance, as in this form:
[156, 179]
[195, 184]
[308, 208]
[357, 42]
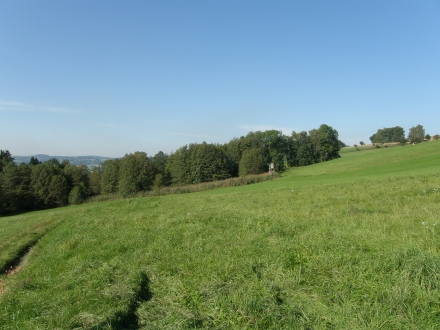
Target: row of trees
[40, 185]
[50, 184]
[397, 134]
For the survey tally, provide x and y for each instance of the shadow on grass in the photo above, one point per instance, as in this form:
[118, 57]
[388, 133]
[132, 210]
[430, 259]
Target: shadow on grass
[15, 261]
[127, 319]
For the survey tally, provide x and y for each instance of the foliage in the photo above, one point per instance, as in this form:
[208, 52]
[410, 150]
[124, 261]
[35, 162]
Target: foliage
[198, 163]
[159, 162]
[341, 144]
[48, 185]
[58, 191]
[34, 161]
[95, 181]
[136, 174]
[110, 176]
[77, 176]
[325, 143]
[40, 185]
[252, 162]
[17, 190]
[389, 134]
[5, 159]
[416, 134]
[77, 195]
[303, 149]
[53, 183]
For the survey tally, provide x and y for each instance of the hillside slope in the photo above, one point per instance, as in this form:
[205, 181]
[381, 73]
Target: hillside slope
[348, 244]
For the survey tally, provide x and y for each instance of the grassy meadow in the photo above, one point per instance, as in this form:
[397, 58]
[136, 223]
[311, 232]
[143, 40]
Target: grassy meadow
[353, 243]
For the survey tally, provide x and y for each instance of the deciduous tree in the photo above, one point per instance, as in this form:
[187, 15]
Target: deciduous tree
[136, 174]
[416, 134]
[389, 134]
[110, 176]
[252, 162]
[5, 158]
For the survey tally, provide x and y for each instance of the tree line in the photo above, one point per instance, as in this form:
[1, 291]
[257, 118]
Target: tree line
[38, 185]
[397, 134]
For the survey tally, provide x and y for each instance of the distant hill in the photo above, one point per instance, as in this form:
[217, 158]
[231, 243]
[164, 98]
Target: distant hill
[89, 161]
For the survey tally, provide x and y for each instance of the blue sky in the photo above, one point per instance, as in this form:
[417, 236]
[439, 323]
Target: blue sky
[113, 77]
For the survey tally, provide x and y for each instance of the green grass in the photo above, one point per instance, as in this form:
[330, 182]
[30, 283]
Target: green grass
[347, 244]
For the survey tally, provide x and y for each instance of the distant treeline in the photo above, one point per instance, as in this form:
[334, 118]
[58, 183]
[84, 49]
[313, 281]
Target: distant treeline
[38, 185]
[89, 161]
[397, 134]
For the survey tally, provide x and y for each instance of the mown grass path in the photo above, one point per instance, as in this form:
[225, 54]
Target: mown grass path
[348, 244]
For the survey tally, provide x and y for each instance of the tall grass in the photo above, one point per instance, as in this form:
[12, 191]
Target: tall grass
[232, 182]
[361, 253]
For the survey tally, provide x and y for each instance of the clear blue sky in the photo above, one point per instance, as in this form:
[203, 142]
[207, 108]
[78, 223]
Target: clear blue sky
[113, 77]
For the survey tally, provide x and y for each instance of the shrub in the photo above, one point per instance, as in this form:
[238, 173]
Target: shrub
[76, 196]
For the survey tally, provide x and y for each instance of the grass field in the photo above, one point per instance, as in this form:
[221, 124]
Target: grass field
[348, 244]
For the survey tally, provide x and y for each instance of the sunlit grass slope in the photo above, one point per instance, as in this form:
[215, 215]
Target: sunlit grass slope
[348, 244]
[369, 164]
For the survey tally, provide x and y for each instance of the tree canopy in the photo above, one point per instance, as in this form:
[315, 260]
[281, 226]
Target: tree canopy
[387, 135]
[416, 134]
[53, 183]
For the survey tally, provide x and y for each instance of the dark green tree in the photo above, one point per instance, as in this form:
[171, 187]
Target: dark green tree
[34, 161]
[252, 162]
[389, 134]
[325, 143]
[305, 153]
[159, 162]
[17, 190]
[2, 196]
[208, 163]
[58, 191]
[77, 196]
[233, 150]
[162, 176]
[110, 176]
[179, 166]
[77, 176]
[197, 163]
[49, 185]
[5, 159]
[136, 174]
[95, 181]
[275, 148]
[416, 134]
